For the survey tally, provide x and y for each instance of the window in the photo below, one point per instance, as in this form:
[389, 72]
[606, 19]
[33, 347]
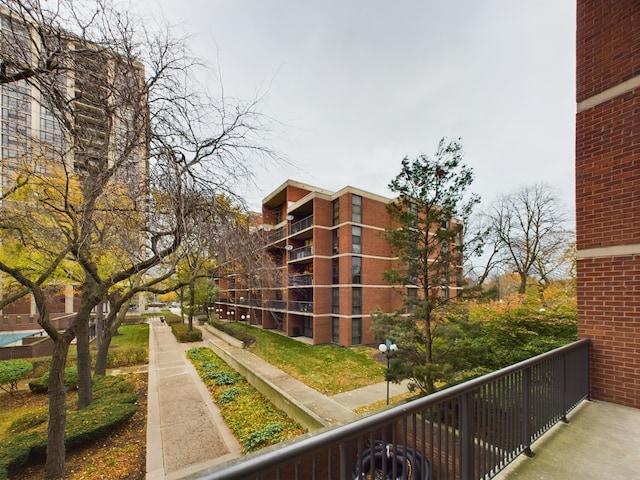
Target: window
[356, 208]
[336, 212]
[356, 331]
[335, 241]
[356, 269]
[356, 301]
[356, 239]
[335, 300]
[445, 289]
[308, 327]
[335, 329]
[412, 294]
[335, 271]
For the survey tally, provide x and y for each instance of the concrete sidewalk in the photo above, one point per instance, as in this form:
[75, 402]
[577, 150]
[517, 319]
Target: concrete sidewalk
[185, 432]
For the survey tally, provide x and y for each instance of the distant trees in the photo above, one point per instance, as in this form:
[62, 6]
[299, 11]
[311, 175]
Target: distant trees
[528, 233]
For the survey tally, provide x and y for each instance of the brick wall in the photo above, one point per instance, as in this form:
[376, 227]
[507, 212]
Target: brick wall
[608, 194]
[608, 44]
[608, 172]
[609, 305]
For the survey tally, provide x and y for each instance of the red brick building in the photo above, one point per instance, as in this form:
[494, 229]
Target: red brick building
[608, 194]
[330, 253]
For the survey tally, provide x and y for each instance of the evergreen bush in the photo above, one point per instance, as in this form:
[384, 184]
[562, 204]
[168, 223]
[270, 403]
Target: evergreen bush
[114, 403]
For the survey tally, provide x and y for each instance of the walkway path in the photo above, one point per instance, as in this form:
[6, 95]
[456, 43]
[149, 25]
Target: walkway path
[185, 432]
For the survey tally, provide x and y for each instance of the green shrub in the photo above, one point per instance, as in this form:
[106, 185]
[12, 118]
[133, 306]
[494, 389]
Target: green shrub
[114, 403]
[11, 372]
[126, 357]
[182, 333]
[133, 320]
[236, 330]
[41, 385]
[269, 435]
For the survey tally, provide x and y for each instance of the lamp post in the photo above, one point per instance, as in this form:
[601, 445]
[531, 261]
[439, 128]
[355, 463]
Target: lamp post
[388, 348]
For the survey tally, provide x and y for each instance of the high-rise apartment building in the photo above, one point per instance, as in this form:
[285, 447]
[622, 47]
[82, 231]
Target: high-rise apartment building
[330, 252]
[79, 118]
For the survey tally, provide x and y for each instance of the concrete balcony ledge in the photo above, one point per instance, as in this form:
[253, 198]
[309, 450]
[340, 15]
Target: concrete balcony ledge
[601, 441]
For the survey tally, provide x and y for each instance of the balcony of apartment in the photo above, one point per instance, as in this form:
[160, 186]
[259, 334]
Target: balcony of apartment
[275, 236]
[301, 225]
[487, 427]
[301, 306]
[276, 305]
[301, 253]
[301, 280]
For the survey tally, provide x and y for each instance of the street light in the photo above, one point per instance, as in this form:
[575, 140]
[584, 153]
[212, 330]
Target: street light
[388, 348]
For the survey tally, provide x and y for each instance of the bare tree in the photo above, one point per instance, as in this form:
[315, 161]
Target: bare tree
[113, 94]
[532, 229]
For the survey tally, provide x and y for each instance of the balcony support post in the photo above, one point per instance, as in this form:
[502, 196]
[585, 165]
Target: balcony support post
[565, 402]
[345, 465]
[467, 421]
[526, 412]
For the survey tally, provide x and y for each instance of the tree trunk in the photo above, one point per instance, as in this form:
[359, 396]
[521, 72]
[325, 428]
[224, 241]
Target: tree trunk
[56, 457]
[429, 351]
[112, 322]
[84, 364]
[104, 342]
[192, 302]
[523, 284]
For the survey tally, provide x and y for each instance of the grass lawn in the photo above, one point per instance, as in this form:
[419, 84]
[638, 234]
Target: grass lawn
[328, 369]
[132, 336]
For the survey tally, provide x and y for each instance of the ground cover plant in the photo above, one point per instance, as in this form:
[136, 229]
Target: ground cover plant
[329, 369]
[252, 418]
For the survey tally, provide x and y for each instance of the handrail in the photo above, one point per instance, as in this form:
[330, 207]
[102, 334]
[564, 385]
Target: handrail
[471, 430]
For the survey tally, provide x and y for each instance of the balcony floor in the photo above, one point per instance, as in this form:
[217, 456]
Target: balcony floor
[602, 441]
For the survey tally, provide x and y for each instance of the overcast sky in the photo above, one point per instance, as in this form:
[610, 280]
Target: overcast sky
[357, 85]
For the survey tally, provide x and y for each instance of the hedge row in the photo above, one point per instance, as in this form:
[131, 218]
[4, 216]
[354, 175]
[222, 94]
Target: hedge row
[182, 333]
[114, 402]
[123, 356]
[236, 330]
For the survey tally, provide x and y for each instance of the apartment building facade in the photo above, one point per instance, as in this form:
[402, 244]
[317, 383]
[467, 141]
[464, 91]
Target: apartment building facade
[608, 194]
[330, 253]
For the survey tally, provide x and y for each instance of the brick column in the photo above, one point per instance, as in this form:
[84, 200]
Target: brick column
[608, 194]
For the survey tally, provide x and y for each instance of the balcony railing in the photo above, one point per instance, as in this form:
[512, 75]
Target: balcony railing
[301, 225]
[306, 307]
[301, 280]
[469, 431]
[276, 304]
[301, 252]
[275, 236]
